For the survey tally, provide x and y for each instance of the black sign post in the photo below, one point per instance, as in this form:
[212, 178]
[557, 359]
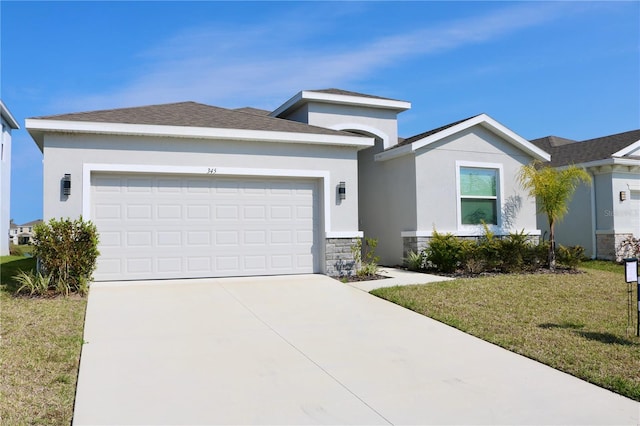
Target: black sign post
[631, 277]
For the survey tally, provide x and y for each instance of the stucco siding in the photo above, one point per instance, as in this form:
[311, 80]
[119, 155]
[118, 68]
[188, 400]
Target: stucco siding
[5, 188]
[436, 177]
[380, 122]
[576, 228]
[68, 153]
[626, 214]
[387, 201]
[604, 201]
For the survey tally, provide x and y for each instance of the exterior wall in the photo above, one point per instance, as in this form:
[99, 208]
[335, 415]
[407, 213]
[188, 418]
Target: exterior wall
[300, 115]
[387, 201]
[383, 123]
[626, 214]
[436, 180]
[339, 260]
[68, 153]
[576, 228]
[616, 220]
[5, 187]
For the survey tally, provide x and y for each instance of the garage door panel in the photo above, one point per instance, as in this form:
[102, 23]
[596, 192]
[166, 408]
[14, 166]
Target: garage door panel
[172, 226]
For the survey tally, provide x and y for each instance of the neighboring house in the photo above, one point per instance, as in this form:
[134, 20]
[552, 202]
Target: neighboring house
[602, 215]
[190, 190]
[9, 123]
[22, 234]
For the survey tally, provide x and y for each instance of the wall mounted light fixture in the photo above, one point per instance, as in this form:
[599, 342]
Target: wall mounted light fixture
[623, 195]
[66, 184]
[342, 191]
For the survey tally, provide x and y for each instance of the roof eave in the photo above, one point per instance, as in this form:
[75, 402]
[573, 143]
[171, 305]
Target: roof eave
[8, 117]
[483, 120]
[38, 128]
[306, 96]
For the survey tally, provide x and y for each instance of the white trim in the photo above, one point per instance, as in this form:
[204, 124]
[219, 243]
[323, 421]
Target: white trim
[8, 117]
[465, 233]
[607, 162]
[592, 196]
[345, 234]
[483, 120]
[615, 231]
[37, 127]
[309, 95]
[386, 141]
[626, 150]
[499, 193]
[88, 168]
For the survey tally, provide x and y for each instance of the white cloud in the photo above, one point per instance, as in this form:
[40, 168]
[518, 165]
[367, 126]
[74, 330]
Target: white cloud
[258, 65]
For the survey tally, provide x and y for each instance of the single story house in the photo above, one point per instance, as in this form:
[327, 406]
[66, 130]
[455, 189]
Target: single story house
[188, 190]
[9, 123]
[604, 214]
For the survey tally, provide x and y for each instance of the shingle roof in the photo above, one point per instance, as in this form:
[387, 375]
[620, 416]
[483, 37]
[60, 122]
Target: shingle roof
[192, 114]
[431, 132]
[252, 110]
[549, 142]
[574, 152]
[348, 93]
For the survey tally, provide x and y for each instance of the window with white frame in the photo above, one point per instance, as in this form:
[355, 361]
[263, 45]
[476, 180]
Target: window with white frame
[478, 195]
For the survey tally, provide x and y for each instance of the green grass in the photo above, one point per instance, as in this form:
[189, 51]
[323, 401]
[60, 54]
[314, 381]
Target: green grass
[604, 265]
[576, 323]
[40, 351]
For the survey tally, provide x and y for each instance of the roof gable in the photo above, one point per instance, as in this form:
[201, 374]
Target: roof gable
[414, 143]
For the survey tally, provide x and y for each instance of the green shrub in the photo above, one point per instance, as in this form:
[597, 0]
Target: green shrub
[444, 252]
[67, 250]
[513, 251]
[570, 256]
[34, 284]
[368, 265]
[471, 257]
[414, 261]
[490, 250]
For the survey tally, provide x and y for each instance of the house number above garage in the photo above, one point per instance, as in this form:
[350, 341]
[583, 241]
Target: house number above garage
[211, 170]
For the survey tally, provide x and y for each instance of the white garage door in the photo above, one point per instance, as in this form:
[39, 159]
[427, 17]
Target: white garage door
[175, 226]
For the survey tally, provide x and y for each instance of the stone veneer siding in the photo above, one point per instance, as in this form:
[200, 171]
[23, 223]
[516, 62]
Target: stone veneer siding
[339, 260]
[607, 246]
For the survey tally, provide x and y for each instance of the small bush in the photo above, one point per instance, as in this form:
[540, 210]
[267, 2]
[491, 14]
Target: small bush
[32, 284]
[571, 256]
[444, 252]
[67, 251]
[414, 261]
[513, 250]
[471, 257]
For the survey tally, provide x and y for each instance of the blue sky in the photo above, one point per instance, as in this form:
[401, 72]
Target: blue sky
[569, 69]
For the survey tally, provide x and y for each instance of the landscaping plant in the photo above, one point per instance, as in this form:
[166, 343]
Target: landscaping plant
[67, 251]
[553, 189]
[366, 260]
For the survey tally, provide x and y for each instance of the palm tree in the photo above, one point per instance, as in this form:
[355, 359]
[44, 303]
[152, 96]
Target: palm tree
[553, 189]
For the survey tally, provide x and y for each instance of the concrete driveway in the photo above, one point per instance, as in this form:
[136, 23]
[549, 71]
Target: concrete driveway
[306, 350]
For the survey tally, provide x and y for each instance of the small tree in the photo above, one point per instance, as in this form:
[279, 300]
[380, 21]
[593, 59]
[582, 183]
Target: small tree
[553, 189]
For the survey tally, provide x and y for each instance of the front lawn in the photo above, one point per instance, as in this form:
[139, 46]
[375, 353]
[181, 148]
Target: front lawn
[39, 354]
[576, 323]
